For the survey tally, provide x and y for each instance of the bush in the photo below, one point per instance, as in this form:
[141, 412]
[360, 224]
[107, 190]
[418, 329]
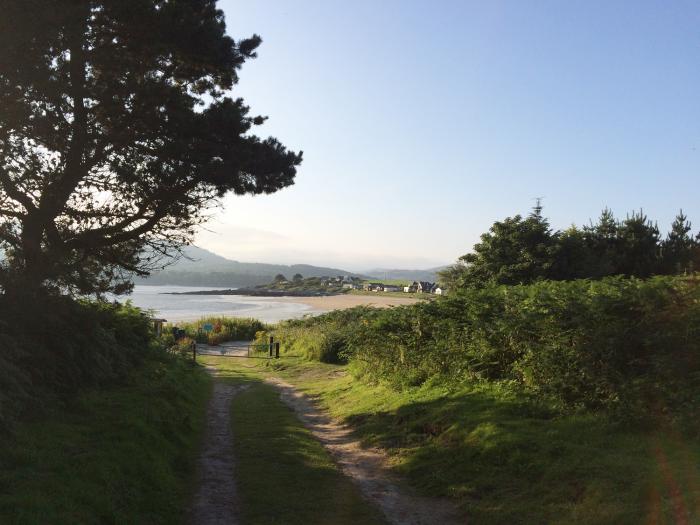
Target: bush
[224, 329]
[61, 346]
[626, 346]
[326, 338]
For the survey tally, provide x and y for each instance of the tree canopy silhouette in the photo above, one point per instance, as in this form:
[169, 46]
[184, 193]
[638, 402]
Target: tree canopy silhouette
[117, 134]
[521, 250]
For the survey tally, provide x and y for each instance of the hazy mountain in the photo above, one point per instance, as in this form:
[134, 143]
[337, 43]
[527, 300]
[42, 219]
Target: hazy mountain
[201, 267]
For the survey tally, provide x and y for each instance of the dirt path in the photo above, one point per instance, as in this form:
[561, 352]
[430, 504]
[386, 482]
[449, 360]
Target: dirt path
[215, 501]
[368, 467]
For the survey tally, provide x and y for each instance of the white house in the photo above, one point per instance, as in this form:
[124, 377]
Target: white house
[411, 288]
[424, 287]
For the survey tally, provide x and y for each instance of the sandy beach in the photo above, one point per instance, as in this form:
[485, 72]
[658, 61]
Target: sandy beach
[179, 308]
[340, 302]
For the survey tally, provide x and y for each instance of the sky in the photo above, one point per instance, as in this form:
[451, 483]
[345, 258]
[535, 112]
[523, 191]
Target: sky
[422, 123]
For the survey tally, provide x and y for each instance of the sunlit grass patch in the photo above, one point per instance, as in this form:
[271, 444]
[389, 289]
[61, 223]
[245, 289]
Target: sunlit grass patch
[505, 458]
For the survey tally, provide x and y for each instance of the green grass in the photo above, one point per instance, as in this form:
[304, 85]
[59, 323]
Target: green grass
[425, 296]
[117, 455]
[283, 474]
[394, 282]
[506, 460]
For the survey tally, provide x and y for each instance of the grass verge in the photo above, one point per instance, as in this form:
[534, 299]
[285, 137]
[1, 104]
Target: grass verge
[283, 474]
[120, 455]
[505, 460]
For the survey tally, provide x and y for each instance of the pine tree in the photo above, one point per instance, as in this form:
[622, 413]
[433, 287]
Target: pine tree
[602, 241]
[639, 252]
[679, 247]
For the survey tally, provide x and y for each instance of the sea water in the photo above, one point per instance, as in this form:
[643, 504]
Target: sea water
[160, 300]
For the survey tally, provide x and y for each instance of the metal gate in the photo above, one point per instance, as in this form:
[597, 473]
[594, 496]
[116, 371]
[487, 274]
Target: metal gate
[239, 349]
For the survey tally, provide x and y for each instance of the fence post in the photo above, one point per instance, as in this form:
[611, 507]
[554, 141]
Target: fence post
[272, 340]
[277, 350]
[194, 352]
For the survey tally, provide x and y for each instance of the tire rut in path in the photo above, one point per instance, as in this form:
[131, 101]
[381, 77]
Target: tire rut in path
[368, 467]
[215, 501]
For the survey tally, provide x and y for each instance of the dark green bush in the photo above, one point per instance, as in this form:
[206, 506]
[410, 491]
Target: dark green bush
[60, 346]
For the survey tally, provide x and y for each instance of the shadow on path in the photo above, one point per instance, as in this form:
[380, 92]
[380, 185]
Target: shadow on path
[216, 501]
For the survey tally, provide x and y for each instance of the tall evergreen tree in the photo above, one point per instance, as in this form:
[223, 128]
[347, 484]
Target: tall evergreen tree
[639, 247]
[574, 258]
[602, 244]
[680, 247]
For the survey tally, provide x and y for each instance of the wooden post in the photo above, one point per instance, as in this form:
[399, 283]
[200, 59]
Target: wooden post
[272, 341]
[194, 352]
[277, 350]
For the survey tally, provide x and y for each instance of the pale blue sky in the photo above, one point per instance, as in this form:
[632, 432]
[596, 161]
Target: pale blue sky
[423, 122]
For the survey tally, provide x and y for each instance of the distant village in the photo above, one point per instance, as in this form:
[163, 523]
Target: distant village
[355, 283]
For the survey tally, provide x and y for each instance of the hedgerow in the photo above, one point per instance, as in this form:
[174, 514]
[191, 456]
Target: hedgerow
[627, 346]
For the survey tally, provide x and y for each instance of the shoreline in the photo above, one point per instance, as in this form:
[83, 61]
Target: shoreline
[315, 306]
[251, 292]
[344, 301]
[188, 307]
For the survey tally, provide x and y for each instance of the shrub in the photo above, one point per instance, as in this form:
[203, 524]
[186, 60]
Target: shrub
[224, 329]
[61, 346]
[326, 338]
[624, 345]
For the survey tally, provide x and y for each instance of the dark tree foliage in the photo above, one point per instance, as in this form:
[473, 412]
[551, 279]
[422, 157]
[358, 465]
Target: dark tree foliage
[116, 137]
[522, 251]
[513, 251]
[680, 247]
[601, 242]
[638, 249]
[574, 258]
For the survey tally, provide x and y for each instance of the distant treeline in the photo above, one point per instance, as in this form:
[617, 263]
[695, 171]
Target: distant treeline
[521, 250]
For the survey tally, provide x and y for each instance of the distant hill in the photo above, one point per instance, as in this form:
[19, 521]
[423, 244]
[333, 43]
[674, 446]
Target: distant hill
[406, 275]
[201, 267]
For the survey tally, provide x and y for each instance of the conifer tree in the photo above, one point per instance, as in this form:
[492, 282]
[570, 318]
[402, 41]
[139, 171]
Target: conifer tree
[602, 241]
[639, 252]
[680, 247]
